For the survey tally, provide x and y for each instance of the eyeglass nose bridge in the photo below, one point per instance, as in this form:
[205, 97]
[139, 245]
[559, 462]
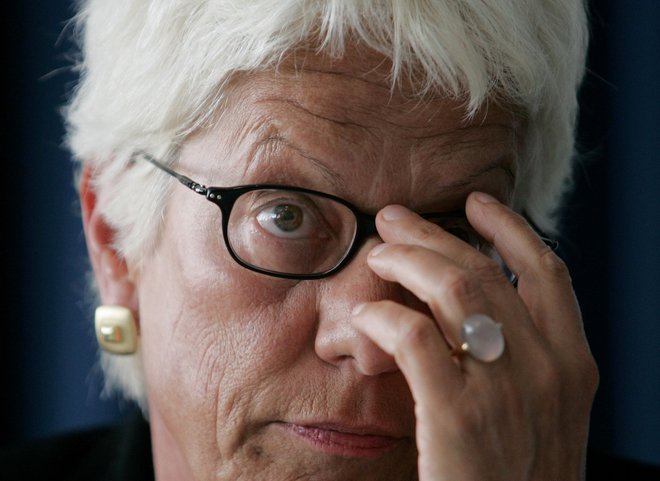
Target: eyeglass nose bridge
[366, 227]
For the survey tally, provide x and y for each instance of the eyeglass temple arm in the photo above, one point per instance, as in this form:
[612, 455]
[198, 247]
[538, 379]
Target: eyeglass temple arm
[188, 182]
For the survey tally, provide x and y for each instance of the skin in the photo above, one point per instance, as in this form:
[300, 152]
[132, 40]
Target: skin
[231, 356]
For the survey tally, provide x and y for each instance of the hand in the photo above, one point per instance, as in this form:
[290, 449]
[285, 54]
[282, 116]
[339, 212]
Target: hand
[521, 417]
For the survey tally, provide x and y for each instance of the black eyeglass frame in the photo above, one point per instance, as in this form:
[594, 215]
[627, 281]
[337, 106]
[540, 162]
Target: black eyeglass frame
[225, 198]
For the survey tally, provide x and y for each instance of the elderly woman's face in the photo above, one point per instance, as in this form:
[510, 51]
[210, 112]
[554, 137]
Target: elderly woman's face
[255, 377]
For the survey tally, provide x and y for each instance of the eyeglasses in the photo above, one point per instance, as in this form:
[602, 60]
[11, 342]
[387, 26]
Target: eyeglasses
[297, 233]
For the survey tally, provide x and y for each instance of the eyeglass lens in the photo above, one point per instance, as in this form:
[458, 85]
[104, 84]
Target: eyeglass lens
[290, 232]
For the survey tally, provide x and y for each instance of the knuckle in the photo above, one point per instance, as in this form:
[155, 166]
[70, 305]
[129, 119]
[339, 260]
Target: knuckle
[590, 376]
[417, 334]
[460, 285]
[488, 270]
[553, 265]
[426, 231]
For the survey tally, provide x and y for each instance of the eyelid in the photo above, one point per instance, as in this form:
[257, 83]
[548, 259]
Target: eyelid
[282, 196]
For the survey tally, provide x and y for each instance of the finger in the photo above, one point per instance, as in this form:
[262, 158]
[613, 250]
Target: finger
[451, 292]
[544, 283]
[398, 225]
[417, 346]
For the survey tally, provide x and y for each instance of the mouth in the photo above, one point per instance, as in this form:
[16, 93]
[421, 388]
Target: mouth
[336, 439]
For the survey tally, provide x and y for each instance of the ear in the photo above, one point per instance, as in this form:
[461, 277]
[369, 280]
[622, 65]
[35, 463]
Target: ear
[110, 269]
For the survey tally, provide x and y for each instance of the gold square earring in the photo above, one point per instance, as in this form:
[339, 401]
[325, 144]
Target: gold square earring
[116, 330]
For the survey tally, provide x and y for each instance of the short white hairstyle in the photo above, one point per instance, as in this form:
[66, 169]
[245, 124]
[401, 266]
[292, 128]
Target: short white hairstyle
[154, 71]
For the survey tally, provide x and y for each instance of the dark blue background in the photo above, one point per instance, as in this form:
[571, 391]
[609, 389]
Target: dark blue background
[50, 383]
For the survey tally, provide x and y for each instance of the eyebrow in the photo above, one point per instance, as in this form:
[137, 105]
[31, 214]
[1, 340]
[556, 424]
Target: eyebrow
[332, 177]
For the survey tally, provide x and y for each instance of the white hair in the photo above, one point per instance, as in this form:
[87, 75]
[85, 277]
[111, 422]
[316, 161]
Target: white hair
[153, 71]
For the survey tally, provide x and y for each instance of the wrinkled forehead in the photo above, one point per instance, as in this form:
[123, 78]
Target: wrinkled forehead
[360, 84]
[350, 107]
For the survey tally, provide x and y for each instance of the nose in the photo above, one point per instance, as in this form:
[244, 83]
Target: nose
[337, 342]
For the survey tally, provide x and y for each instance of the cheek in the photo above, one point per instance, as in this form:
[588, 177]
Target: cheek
[216, 338]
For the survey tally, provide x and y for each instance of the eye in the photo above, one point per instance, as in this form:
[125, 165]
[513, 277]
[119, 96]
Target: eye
[289, 220]
[285, 218]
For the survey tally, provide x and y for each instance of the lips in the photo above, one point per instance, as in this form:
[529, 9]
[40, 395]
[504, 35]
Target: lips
[337, 439]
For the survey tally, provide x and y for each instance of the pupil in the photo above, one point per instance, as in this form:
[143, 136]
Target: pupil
[287, 217]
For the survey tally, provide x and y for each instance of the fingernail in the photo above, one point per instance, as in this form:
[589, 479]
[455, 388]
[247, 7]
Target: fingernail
[485, 198]
[395, 212]
[357, 309]
[377, 250]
